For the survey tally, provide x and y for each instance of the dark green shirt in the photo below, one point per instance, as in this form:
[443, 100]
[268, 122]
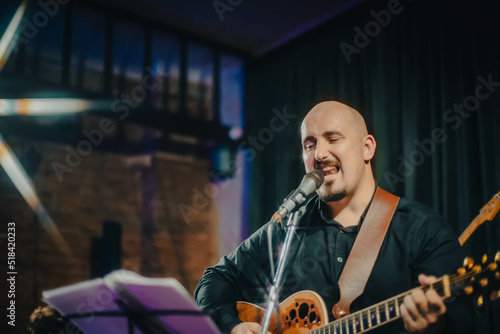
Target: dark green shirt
[417, 241]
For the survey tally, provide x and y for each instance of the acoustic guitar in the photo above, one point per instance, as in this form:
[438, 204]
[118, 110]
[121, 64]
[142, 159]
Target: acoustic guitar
[305, 311]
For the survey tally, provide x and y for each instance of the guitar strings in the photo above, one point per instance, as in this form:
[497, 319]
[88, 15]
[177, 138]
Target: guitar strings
[394, 302]
[371, 312]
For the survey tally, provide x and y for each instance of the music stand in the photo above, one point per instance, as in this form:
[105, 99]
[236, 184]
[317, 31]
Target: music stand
[125, 302]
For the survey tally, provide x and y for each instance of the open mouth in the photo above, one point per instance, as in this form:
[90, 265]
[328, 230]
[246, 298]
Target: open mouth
[329, 169]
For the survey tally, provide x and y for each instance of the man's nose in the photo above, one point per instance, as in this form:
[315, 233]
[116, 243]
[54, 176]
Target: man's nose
[321, 152]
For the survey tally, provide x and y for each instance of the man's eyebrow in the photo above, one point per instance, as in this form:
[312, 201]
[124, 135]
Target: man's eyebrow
[332, 133]
[325, 134]
[308, 138]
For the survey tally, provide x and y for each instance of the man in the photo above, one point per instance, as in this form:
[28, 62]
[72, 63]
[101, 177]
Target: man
[46, 320]
[418, 245]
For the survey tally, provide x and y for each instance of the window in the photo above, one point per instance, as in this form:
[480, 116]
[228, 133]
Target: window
[128, 58]
[231, 94]
[44, 44]
[165, 68]
[88, 34]
[200, 81]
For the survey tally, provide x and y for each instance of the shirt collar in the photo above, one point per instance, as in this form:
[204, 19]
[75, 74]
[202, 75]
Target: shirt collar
[322, 208]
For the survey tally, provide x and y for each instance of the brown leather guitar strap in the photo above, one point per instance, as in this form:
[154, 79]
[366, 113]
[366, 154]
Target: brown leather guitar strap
[364, 252]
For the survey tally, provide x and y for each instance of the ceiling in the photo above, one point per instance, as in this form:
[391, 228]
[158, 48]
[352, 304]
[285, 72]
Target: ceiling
[251, 26]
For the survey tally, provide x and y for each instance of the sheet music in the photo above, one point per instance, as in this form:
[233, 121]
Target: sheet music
[155, 294]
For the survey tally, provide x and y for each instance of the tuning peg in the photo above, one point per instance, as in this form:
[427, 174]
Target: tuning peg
[495, 295]
[493, 266]
[461, 271]
[469, 290]
[483, 282]
[480, 301]
[476, 269]
[497, 256]
[484, 258]
[469, 262]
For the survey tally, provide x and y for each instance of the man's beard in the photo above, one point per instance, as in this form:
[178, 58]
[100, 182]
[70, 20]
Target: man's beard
[333, 197]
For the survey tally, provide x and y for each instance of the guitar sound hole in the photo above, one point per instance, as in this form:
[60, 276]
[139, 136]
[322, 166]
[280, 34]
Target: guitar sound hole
[312, 317]
[303, 310]
[293, 314]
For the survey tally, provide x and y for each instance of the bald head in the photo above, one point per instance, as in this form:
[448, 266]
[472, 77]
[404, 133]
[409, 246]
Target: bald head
[336, 141]
[339, 110]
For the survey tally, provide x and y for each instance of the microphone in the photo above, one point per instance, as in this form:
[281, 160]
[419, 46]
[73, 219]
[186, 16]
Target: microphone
[310, 183]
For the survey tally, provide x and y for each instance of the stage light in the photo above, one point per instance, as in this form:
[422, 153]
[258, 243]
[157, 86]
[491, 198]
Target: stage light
[9, 38]
[235, 133]
[22, 182]
[49, 106]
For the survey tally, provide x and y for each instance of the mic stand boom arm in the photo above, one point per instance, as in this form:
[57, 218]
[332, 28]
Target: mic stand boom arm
[272, 301]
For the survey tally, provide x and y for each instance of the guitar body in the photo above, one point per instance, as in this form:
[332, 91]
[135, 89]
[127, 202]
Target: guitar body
[300, 313]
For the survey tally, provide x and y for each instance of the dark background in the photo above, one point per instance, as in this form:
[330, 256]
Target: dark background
[404, 78]
[426, 60]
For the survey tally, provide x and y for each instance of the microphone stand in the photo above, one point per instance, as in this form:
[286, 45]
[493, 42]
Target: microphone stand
[272, 301]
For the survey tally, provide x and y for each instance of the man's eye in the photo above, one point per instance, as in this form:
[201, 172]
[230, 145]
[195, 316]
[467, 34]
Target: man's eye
[308, 146]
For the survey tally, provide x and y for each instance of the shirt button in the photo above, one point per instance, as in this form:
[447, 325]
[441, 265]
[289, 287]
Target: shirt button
[339, 259]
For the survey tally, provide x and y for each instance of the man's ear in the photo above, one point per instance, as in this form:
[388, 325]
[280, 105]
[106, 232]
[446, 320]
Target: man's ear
[369, 147]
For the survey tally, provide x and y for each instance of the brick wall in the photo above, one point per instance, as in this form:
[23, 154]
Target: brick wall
[105, 187]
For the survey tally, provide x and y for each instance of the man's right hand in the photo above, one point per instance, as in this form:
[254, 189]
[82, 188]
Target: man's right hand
[247, 328]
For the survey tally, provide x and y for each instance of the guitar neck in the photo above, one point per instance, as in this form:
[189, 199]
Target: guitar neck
[487, 212]
[469, 230]
[381, 313]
